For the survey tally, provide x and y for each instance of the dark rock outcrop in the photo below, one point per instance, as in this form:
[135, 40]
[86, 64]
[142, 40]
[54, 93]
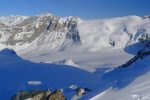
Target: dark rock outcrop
[57, 95]
[141, 35]
[33, 95]
[39, 95]
[80, 91]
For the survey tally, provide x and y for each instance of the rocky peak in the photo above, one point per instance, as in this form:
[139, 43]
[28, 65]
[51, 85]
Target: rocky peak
[48, 29]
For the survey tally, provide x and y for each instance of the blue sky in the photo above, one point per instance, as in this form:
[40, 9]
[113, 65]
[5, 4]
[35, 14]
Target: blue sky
[86, 9]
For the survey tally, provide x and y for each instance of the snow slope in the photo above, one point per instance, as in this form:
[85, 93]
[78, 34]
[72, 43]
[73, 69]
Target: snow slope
[17, 74]
[60, 52]
[128, 84]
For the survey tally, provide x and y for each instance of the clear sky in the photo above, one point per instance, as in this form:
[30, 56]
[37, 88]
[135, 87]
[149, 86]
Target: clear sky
[86, 9]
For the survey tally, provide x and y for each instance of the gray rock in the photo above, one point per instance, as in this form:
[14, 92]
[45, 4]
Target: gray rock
[31, 95]
[40, 26]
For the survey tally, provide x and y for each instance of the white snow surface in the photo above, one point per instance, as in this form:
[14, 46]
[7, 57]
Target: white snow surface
[138, 89]
[91, 64]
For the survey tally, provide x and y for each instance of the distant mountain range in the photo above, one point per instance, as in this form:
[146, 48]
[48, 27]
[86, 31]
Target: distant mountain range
[57, 33]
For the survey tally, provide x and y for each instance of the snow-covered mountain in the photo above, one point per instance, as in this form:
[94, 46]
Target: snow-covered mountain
[47, 34]
[112, 55]
[93, 40]
[45, 30]
[57, 33]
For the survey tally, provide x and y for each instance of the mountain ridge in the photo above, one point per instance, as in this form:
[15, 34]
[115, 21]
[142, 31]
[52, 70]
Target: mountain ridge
[54, 39]
[23, 30]
[69, 52]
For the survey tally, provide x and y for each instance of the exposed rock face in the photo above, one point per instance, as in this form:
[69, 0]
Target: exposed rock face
[59, 31]
[39, 95]
[80, 92]
[57, 95]
[47, 94]
[32, 95]
[30, 28]
[142, 35]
